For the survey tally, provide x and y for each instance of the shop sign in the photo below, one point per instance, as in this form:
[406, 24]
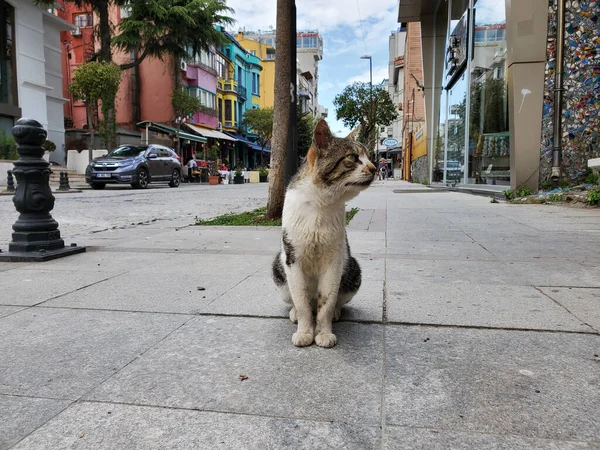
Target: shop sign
[390, 142]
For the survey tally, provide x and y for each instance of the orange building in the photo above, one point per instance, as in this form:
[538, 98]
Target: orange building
[415, 166]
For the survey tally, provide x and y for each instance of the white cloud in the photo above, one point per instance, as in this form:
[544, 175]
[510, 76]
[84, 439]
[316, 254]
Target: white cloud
[324, 15]
[379, 74]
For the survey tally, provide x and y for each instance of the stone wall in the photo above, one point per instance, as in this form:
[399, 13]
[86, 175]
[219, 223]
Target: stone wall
[581, 116]
[420, 170]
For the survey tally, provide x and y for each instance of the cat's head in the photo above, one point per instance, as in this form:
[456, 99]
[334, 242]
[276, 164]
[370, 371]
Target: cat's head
[340, 165]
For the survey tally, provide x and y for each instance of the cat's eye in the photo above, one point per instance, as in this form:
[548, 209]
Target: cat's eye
[353, 157]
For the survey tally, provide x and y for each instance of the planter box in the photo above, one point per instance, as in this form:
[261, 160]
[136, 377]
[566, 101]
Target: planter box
[238, 179]
[214, 179]
[263, 178]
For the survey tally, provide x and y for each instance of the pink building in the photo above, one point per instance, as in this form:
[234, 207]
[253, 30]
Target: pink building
[145, 92]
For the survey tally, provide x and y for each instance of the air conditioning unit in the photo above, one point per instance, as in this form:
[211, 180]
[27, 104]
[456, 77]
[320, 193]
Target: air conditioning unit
[76, 32]
[183, 65]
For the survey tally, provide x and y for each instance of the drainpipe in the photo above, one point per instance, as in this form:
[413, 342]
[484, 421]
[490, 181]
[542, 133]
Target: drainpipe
[558, 92]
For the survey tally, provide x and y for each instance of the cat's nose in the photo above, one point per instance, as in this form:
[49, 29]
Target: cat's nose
[371, 168]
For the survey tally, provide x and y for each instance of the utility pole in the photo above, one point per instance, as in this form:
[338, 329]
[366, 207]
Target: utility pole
[372, 119]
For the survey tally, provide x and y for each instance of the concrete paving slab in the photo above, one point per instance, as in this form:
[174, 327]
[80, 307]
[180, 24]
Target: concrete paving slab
[242, 239]
[4, 266]
[257, 296]
[361, 220]
[453, 272]
[407, 438]
[110, 262]
[254, 296]
[7, 310]
[19, 416]
[36, 285]
[433, 249]
[99, 425]
[199, 367]
[379, 220]
[172, 288]
[582, 303]
[63, 353]
[477, 305]
[558, 272]
[538, 385]
[411, 235]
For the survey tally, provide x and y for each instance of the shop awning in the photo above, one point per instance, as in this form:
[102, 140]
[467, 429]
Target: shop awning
[252, 145]
[208, 133]
[162, 128]
[391, 151]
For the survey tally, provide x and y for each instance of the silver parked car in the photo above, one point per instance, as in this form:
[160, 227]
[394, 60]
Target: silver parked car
[137, 165]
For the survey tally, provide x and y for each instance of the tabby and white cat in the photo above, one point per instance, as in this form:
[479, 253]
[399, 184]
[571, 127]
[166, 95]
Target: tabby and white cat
[314, 269]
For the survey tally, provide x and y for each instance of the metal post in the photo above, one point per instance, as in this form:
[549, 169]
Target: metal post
[64, 182]
[36, 236]
[558, 92]
[10, 182]
[291, 160]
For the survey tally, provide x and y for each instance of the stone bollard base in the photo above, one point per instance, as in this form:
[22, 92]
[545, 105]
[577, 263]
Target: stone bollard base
[39, 256]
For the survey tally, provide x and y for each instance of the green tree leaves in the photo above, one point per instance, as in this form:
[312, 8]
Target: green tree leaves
[353, 107]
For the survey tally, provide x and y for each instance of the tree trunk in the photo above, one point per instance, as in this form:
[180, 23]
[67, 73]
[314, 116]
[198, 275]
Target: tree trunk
[105, 55]
[281, 110]
[90, 121]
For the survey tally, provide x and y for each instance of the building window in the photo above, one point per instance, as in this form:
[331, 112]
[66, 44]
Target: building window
[82, 20]
[221, 67]
[8, 75]
[228, 111]
[220, 110]
[255, 83]
[479, 35]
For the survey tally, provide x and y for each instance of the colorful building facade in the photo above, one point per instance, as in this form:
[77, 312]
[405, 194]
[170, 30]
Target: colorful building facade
[266, 54]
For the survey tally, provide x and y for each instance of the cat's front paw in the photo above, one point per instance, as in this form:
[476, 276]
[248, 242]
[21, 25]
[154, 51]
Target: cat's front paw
[325, 340]
[293, 316]
[302, 339]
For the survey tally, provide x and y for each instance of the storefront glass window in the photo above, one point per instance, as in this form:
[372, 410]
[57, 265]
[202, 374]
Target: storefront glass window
[456, 124]
[489, 148]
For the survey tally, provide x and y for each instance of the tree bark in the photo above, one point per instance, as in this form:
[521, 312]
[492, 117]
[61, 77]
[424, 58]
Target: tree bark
[105, 55]
[281, 110]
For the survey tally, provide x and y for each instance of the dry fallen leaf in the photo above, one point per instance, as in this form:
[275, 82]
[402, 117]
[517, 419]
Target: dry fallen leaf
[243, 377]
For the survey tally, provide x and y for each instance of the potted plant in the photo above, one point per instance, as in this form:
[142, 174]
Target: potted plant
[263, 173]
[239, 177]
[213, 168]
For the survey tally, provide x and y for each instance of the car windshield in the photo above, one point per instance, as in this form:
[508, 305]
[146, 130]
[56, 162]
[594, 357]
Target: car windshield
[127, 151]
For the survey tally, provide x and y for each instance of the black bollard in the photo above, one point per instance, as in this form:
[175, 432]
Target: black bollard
[36, 236]
[64, 182]
[10, 181]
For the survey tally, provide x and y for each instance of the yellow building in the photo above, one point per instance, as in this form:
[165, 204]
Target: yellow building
[266, 53]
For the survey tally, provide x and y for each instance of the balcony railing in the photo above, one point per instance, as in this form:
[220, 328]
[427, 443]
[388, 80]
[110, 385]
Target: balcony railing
[228, 86]
[241, 90]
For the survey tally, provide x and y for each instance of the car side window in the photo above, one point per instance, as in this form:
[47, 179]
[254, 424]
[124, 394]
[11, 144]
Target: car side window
[163, 153]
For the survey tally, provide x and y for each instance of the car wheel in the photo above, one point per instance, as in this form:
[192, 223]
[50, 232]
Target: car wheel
[175, 178]
[142, 179]
[98, 185]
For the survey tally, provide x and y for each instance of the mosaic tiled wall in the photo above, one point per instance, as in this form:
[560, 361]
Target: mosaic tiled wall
[581, 116]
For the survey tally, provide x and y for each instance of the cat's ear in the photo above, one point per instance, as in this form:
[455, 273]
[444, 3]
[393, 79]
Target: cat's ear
[322, 136]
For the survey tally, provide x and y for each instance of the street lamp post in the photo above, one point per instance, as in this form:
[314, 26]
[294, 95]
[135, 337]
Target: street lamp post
[372, 119]
[180, 120]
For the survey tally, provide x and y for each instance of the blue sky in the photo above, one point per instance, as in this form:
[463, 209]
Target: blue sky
[344, 41]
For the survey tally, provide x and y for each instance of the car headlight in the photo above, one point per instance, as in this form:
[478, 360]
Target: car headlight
[125, 163]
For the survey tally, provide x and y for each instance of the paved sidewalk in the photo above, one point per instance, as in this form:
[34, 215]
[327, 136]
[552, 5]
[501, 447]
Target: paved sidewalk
[477, 326]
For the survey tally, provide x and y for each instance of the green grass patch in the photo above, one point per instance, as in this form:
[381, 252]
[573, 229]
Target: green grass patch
[253, 219]
[350, 215]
